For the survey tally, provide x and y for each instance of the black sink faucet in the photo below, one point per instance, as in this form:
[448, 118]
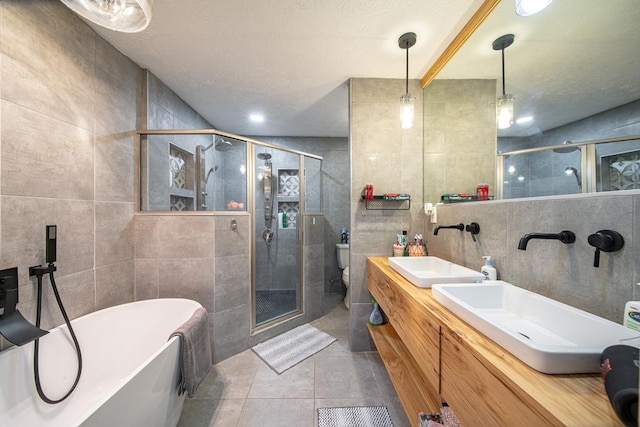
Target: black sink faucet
[456, 226]
[565, 237]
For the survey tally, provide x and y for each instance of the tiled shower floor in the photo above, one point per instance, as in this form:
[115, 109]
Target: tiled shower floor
[271, 304]
[243, 391]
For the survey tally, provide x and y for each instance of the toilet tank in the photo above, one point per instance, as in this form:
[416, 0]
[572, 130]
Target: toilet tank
[342, 254]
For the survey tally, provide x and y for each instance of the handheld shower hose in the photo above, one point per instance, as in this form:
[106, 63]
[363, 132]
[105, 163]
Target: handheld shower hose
[40, 271]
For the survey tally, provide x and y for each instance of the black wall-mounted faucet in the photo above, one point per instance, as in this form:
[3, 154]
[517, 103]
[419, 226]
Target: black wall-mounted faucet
[456, 226]
[473, 228]
[565, 237]
[605, 241]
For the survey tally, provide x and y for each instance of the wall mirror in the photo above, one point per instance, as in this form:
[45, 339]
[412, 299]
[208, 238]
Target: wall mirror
[574, 71]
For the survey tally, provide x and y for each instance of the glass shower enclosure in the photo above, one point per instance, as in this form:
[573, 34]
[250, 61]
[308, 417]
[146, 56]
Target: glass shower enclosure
[208, 172]
[277, 248]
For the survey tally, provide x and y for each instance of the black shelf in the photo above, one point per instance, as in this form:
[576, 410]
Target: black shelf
[382, 203]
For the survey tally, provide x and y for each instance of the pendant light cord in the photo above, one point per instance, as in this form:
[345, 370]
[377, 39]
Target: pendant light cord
[406, 79]
[36, 369]
[503, 84]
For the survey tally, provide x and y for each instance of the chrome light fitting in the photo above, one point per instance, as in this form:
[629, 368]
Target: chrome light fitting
[530, 7]
[127, 16]
[406, 112]
[505, 101]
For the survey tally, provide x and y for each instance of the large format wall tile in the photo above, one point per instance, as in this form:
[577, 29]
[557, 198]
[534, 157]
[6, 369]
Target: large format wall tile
[36, 146]
[115, 106]
[118, 66]
[115, 284]
[114, 169]
[147, 280]
[232, 282]
[48, 61]
[24, 222]
[114, 233]
[191, 278]
[186, 237]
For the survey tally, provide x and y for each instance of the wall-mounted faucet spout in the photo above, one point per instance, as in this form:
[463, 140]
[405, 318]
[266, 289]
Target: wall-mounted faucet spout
[565, 237]
[456, 226]
[13, 326]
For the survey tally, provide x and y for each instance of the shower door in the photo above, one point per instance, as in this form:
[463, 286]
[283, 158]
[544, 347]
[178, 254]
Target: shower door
[277, 240]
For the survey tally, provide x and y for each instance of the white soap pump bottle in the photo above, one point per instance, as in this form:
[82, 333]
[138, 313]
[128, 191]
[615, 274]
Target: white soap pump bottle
[489, 271]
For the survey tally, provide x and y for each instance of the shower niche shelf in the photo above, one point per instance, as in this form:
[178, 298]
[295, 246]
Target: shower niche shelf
[382, 203]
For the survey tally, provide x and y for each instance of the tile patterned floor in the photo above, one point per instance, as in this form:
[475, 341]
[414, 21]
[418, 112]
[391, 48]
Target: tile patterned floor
[244, 391]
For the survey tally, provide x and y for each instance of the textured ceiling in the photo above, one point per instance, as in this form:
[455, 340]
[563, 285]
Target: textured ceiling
[574, 59]
[287, 59]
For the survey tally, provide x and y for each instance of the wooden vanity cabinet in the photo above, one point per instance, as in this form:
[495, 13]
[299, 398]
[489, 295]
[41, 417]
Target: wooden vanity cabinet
[429, 352]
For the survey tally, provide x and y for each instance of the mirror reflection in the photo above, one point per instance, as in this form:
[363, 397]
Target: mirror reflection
[573, 72]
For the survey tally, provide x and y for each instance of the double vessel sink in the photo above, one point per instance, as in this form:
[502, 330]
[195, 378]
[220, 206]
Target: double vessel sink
[549, 336]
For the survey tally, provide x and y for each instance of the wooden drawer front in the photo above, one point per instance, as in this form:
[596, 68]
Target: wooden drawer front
[412, 322]
[414, 390]
[477, 397]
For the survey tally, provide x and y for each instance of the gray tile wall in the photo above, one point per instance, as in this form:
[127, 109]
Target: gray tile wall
[459, 137]
[562, 272]
[68, 116]
[390, 158]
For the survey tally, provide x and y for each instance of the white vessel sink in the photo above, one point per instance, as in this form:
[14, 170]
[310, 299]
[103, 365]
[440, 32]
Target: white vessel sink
[549, 336]
[424, 271]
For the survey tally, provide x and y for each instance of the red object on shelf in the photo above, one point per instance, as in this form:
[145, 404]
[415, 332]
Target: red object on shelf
[483, 191]
[368, 192]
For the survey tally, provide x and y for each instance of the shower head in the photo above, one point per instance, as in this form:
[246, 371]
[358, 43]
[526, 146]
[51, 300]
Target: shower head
[568, 149]
[264, 156]
[222, 145]
[570, 170]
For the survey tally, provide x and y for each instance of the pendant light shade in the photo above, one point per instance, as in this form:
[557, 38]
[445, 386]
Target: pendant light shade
[530, 7]
[127, 16]
[504, 104]
[406, 109]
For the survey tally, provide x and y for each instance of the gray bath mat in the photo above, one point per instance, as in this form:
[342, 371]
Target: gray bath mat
[354, 416]
[289, 349]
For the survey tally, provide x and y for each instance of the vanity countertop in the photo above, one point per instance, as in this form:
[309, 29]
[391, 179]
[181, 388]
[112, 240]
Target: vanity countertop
[572, 400]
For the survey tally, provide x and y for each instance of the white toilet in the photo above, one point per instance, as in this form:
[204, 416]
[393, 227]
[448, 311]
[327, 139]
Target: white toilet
[342, 253]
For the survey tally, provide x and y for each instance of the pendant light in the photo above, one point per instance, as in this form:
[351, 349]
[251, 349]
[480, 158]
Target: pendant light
[406, 112]
[504, 103]
[127, 16]
[530, 7]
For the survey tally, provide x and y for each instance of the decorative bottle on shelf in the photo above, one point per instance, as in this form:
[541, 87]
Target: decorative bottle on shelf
[376, 316]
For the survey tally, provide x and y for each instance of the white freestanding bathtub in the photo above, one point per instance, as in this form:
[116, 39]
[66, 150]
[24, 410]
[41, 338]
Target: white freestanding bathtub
[130, 375]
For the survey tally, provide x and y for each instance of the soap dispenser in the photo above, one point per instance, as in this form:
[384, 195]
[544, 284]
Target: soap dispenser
[489, 271]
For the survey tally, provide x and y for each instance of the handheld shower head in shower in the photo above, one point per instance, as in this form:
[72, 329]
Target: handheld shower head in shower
[264, 156]
[570, 170]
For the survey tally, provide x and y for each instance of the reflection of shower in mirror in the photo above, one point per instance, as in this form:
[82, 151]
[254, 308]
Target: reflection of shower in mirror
[570, 170]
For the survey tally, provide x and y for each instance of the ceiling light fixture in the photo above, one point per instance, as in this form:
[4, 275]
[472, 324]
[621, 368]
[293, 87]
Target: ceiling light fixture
[531, 7]
[256, 118]
[127, 16]
[505, 101]
[406, 112]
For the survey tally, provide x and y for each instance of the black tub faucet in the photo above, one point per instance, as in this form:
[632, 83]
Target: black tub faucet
[565, 237]
[456, 226]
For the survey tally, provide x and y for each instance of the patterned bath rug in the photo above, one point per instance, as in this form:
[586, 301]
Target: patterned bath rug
[354, 416]
[289, 349]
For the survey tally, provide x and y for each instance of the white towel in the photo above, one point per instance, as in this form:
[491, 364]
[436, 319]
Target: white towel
[195, 351]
